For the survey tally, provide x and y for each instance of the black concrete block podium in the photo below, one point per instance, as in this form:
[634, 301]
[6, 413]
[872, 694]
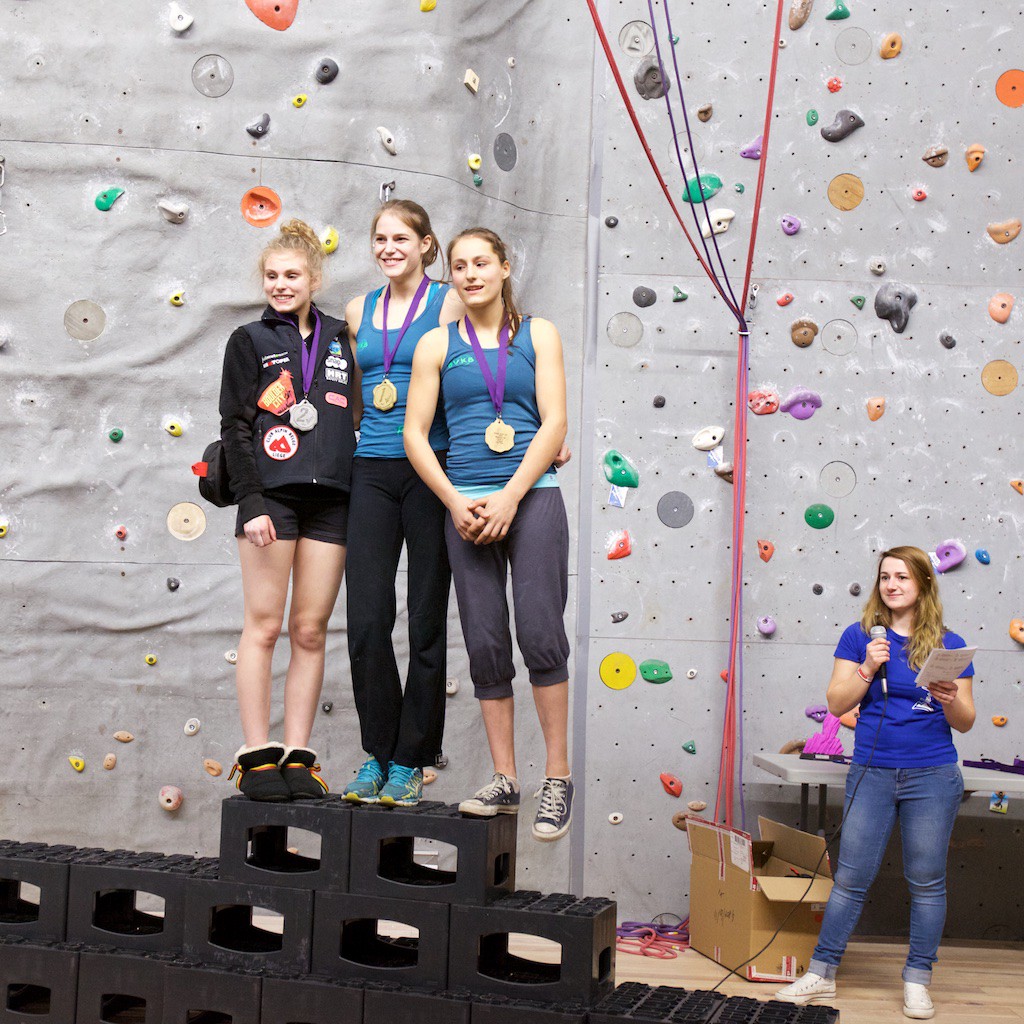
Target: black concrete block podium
[27, 865]
[38, 982]
[200, 992]
[119, 985]
[312, 999]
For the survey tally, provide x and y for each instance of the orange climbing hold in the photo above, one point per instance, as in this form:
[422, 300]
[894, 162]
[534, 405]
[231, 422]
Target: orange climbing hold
[278, 14]
[1010, 88]
[892, 44]
[1017, 630]
[1004, 231]
[876, 406]
[975, 154]
[672, 785]
[850, 718]
[1018, 486]
[765, 550]
[999, 720]
[261, 206]
[1000, 306]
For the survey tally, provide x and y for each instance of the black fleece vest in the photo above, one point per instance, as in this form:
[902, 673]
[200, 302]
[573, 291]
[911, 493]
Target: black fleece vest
[322, 455]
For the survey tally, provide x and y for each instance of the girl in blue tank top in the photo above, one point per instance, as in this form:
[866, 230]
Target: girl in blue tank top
[390, 506]
[501, 380]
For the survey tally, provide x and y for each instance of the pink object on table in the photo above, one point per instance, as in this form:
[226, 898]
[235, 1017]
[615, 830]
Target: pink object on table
[827, 741]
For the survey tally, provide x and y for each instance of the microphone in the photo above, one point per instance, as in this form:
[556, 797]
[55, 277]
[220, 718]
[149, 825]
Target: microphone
[878, 633]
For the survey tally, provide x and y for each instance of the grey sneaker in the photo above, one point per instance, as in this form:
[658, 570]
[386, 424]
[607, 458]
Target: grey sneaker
[499, 796]
[555, 811]
[367, 784]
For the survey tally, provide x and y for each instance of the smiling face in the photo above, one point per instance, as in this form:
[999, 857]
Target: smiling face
[477, 273]
[397, 248]
[287, 282]
[896, 586]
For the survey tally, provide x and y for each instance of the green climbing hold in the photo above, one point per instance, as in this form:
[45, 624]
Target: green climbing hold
[619, 470]
[655, 671]
[675, 40]
[840, 13]
[690, 747]
[678, 295]
[858, 301]
[106, 199]
[740, 187]
[707, 186]
[116, 434]
[812, 117]
[478, 180]
[819, 516]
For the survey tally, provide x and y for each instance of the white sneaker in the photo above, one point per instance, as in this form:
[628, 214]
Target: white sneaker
[917, 1004]
[808, 988]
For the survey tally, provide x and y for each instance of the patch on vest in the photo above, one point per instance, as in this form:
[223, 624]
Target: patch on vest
[279, 396]
[280, 442]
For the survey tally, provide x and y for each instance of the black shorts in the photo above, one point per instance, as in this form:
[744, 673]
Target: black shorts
[295, 516]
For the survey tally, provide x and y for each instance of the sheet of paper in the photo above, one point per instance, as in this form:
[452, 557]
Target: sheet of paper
[943, 665]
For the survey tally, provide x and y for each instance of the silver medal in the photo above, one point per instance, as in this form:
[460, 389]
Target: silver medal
[303, 416]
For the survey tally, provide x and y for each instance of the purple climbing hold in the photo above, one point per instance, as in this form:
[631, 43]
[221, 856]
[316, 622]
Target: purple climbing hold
[801, 403]
[752, 150]
[766, 625]
[790, 224]
[816, 711]
[949, 554]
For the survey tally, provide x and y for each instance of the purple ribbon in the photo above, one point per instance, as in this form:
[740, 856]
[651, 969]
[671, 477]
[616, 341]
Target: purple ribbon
[495, 387]
[308, 356]
[389, 354]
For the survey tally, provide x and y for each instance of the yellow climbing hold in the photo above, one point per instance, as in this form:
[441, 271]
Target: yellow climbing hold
[174, 428]
[300, 100]
[178, 299]
[329, 239]
[427, 5]
[475, 161]
[618, 671]
[150, 659]
[76, 762]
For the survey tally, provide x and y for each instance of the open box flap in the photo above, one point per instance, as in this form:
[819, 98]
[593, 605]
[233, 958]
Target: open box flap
[795, 846]
[703, 837]
[789, 890]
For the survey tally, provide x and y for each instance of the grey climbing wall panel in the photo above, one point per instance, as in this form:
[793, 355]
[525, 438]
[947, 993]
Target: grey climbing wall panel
[935, 466]
[95, 99]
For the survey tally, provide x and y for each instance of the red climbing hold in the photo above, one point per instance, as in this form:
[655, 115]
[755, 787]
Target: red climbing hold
[672, 785]
[834, 84]
[619, 544]
[919, 195]
[277, 14]
[785, 299]
[765, 549]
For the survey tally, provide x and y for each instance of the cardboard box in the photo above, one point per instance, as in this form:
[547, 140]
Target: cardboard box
[742, 889]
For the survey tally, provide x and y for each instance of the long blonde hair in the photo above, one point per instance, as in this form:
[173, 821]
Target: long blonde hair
[928, 630]
[297, 236]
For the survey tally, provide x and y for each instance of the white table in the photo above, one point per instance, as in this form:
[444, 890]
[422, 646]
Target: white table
[791, 768]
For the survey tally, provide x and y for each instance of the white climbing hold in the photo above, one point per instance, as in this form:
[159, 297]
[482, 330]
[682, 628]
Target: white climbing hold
[708, 437]
[191, 727]
[615, 818]
[174, 212]
[387, 140]
[471, 80]
[231, 657]
[179, 18]
[451, 686]
[720, 221]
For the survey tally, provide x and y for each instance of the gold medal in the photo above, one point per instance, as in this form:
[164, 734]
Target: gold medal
[385, 395]
[500, 437]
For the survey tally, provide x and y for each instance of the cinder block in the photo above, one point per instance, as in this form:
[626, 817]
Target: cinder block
[480, 961]
[312, 999]
[46, 867]
[219, 926]
[254, 843]
[38, 982]
[114, 985]
[347, 942]
[107, 899]
[383, 840]
[503, 1010]
[388, 1004]
[196, 993]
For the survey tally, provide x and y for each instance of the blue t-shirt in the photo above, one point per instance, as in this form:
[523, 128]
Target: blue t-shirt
[469, 410]
[380, 433]
[915, 733]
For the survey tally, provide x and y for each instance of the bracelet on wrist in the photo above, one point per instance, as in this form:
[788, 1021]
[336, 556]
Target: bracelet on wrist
[867, 679]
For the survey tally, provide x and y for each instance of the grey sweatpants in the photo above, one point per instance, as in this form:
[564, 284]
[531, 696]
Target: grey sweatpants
[537, 548]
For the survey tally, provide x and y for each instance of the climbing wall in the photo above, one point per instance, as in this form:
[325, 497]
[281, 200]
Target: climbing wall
[123, 605]
[872, 432]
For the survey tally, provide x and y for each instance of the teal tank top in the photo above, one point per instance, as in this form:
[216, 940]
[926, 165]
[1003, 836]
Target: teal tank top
[380, 433]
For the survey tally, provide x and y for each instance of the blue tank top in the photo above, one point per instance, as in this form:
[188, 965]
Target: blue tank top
[380, 433]
[469, 410]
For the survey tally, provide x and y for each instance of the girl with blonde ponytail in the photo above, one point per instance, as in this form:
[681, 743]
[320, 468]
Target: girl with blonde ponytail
[287, 406]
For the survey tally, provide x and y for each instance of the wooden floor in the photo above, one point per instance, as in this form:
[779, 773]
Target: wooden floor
[976, 984]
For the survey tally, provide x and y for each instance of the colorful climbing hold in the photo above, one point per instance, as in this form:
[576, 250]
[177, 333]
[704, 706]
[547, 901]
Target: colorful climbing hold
[784, 299]
[893, 302]
[799, 12]
[876, 407]
[936, 156]
[471, 80]
[1000, 306]
[718, 223]
[763, 401]
[790, 224]
[76, 762]
[983, 556]
[765, 550]
[812, 117]
[258, 128]
[846, 122]
[858, 301]
[655, 671]
[766, 625]
[5, 527]
[752, 150]
[427, 5]
[891, 46]
[999, 377]
[475, 161]
[617, 670]
[619, 544]
[1010, 88]
[690, 747]
[171, 796]
[673, 786]
[801, 403]
[948, 555]
[121, 533]
[151, 659]
[329, 239]
[919, 195]
[106, 199]
[619, 470]
[999, 720]
[708, 437]
[300, 100]
[803, 332]
[116, 435]
[1017, 630]
[840, 12]
[123, 737]
[174, 428]
[704, 112]
[1004, 231]
[975, 154]
[177, 299]
[278, 14]
[261, 206]
[835, 83]
[739, 187]
[678, 295]
[819, 516]
[706, 186]
[1018, 486]
[326, 71]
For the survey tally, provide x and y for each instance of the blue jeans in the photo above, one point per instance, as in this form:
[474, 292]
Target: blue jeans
[926, 801]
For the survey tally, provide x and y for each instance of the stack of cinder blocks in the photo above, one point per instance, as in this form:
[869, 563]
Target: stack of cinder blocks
[81, 944]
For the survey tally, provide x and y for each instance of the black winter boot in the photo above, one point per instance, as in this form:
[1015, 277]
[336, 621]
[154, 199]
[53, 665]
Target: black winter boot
[299, 770]
[259, 777]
